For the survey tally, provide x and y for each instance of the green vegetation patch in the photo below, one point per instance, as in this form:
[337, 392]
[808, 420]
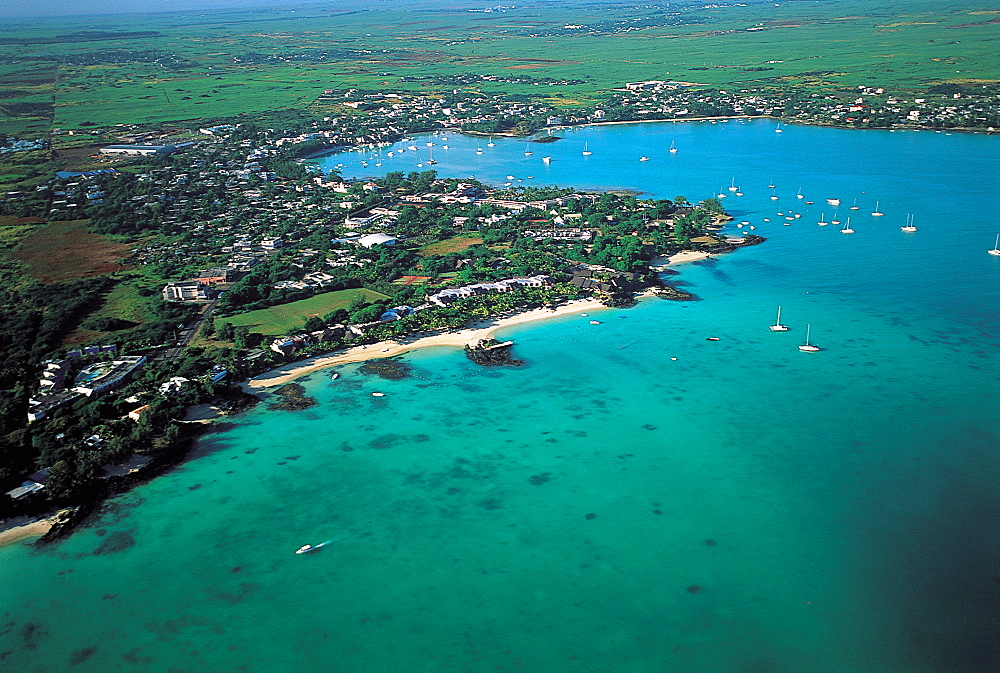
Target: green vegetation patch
[280, 319]
[453, 244]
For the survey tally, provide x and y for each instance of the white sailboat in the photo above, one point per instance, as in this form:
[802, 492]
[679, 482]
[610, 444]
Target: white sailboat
[822, 220]
[431, 159]
[996, 247]
[586, 150]
[799, 195]
[846, 229]
[808, 347]
[672, 150]
[909, 224]
[855, 206]
[777, 326]
[877, 212]
[733, 187]
[491, 143]
[778, 130]
[527, 151]
[479, 150]
[774, 197]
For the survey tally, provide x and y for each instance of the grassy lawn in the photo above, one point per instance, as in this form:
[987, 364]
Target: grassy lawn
[280, 319]
[454, 244]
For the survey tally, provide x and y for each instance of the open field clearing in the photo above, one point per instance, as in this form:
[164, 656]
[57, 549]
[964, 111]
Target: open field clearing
[280, 319]
[66, 250]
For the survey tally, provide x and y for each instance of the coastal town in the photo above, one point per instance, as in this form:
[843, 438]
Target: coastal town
[216, 221]
[224, 221]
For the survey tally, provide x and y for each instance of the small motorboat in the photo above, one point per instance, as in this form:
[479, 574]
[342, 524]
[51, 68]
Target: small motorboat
[306, 548]
[378, 394]
[595, 322]
[712, 339]
[334, 376]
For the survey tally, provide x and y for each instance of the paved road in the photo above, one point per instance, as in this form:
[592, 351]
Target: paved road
[188, 331]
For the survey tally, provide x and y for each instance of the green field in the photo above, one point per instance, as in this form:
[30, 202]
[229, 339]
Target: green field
[842, 43]
[453, 244]
[281, 319]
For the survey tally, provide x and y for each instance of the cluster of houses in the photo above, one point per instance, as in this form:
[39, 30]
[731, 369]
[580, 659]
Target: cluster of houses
[452, 294]
[24, 145]
[99, 375]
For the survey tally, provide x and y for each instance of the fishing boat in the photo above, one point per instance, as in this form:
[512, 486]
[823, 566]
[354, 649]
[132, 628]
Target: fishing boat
[808, 347]
[909, 224]
[586, 150]
[877, 212]
[672, 150]
[777, 326]
[996, 247]
[846, 229]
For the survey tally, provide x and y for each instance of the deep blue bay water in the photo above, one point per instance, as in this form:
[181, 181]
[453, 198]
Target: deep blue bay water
[635, 498]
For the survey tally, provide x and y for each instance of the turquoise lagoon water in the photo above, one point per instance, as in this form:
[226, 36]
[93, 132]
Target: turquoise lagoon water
[635, 498]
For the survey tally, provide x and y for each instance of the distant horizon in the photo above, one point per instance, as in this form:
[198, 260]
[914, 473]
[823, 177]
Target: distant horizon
[46, 9]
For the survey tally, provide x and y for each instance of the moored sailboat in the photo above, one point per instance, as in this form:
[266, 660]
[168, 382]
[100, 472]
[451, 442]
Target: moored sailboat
[909, 226]
[777, 326]
[846, 229]
[586, 150]
[996, 247]
[808, 347]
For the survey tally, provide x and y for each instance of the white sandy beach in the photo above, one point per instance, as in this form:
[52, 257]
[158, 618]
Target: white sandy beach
[678, 258]
[388, 349]
[23, 527]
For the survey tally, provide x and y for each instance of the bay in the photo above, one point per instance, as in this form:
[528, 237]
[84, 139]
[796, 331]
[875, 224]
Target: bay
[635, 498]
